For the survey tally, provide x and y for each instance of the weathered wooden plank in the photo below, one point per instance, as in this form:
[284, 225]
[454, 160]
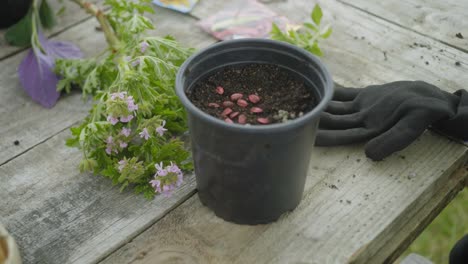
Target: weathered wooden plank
[415, 224]
[72, 15]
[374, 200]
[56, 214]
[29, 123]
[441, 20]
[373, 46]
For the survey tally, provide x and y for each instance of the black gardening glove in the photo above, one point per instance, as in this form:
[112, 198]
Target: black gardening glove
[391, 116]
[459, 252]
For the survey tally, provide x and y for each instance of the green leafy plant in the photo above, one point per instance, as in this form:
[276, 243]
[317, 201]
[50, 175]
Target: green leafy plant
[132, 133]
[309, 36]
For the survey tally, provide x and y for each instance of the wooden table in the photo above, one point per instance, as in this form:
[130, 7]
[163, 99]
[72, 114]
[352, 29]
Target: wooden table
[377, 208]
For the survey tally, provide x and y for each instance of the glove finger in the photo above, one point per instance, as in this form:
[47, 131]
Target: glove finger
[330, 121]
[340, 108]
[342, 137]
[345, 94]
[402, 134]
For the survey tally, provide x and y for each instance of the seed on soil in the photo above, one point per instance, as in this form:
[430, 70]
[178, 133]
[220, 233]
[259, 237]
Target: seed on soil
[242, 103]
[263, 120]
[254, 98]
[244, 91]
[214, 105]
[219, 90]
[242, 119]
[228, 104]
[236, 96]
[226, 112]
[256, 110]
[228, 120]
[234, 114]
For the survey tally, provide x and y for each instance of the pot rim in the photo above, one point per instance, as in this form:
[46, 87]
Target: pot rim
[300, 121]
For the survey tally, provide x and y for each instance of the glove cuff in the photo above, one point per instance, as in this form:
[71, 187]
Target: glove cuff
[457, 126]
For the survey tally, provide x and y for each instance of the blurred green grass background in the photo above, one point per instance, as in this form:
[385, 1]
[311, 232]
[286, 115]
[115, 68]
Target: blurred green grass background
[439, 237]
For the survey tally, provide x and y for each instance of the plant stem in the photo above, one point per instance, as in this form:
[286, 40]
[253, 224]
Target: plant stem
[92, 9]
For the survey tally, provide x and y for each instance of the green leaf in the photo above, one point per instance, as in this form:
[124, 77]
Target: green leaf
[72, 142]
[20, 33]
[315, 49]
[46, 15]
[327, 33]
[316, 14]
[139, 23]
[277, 34]
[124, 185]
[64, 85]
[61, 11]
[311, 26]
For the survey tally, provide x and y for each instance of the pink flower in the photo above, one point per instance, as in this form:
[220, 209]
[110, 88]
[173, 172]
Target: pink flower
[131, 104]
[162, 175]
[143, 46]
[120, 95]
[136, 62]
[126, 131]
[127, 119]
[173, 168]
[123, 144]
[122, 165]
[144, 134]
[160, 130]
[167, 190]
[112, 120]
[156, 185]
[110, 140]
[110, 145]
[159, 166]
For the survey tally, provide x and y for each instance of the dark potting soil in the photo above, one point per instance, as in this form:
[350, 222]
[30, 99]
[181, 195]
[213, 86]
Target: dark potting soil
[268, 94]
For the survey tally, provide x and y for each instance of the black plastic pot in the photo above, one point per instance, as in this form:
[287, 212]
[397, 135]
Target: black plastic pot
[252, 174]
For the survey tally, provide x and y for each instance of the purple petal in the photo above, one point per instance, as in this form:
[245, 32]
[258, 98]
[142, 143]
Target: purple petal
[38, 79]
[36, 71]
[59, 49]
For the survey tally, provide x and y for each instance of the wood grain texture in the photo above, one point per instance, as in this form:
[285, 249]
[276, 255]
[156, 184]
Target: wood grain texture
[350, 224]
[415, 225]
[365, 50]
[27, 121]
[440, 20]
[376, 207]
[30, 123]
[56, 214]
[72, 16]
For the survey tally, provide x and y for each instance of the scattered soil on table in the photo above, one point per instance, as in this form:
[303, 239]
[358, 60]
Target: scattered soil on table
[457, 63]
[253, 94]
[459, 35]
[16, 142]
